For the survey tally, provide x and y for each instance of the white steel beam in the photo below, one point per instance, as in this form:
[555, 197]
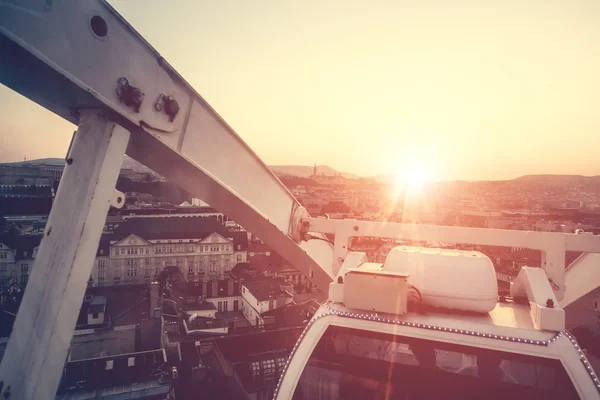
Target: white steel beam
[552, 245]
[37, 349]
[76, 58]
[532, 283]
[582, 277]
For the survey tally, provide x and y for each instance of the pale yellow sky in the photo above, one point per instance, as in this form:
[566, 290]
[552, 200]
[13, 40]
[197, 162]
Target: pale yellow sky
[474, 89]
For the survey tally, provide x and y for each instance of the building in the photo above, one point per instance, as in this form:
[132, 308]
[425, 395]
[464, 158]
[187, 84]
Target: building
[255, 361]
[263, 257]
[141, 375]
[293, 276]
[31, 173]
[138, 250]
[17, 254]
[134, 175]
[291, 314]
[263, 295]
[141, 248]
[28, 224]
[218, 300]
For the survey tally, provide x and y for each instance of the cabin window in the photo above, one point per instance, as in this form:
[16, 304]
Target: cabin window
[348, 363]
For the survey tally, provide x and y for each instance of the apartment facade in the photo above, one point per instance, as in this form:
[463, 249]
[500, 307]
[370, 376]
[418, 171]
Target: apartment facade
[202, 249]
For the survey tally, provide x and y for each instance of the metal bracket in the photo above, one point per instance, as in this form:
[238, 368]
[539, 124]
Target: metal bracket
[298, 228]
[118, 199]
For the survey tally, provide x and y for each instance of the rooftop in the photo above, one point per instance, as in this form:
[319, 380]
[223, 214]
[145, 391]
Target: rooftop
[203, 306]
[177, 228]
[125, 305]
[23, 244]
[248, 347]
[209, 289]
[200, 323]
[266, 289]
[293, 314]
[97, 305]
[123, 373]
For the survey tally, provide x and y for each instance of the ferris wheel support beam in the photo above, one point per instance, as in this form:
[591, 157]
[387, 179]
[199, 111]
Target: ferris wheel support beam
[38, 346]
[82, 54]
[553, 246]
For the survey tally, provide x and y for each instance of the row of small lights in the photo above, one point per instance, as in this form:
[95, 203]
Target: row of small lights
[376, 318]
[584, 360]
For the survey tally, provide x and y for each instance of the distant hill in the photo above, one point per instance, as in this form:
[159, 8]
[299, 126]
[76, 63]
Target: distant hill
[558, 178]
[304, 171]
[50, 161]
[128, 162]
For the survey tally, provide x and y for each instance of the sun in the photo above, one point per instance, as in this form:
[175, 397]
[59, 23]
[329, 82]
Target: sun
[412, 179]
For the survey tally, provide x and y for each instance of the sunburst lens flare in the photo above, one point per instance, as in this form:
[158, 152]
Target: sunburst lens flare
[412, 179]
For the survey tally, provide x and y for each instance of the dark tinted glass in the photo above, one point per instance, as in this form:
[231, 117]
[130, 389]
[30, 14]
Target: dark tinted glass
[351, 364]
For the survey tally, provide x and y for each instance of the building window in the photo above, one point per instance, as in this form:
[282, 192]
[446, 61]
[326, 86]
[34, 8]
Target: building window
[268, 367]
[24, 268]
[147, 272]
[3, 267]
[255, 368]
[147, 251]
[280, 363]
[100, 275]
[3, 255]
[191, 269]
[239, 258]
[101, 263]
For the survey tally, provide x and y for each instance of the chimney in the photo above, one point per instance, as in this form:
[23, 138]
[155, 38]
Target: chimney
[155, 306]
[229, 287]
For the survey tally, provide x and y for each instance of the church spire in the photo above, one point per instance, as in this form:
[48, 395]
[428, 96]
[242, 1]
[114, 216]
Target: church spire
[315, 169]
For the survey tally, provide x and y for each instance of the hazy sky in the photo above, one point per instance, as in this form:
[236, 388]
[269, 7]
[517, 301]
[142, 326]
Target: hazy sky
[471, 89]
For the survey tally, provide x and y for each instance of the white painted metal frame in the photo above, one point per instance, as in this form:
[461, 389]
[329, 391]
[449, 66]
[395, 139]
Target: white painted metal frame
[38, 346]
[552, 245]
[64, 66]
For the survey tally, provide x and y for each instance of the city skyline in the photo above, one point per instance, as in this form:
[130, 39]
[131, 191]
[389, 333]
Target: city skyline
[486, 92]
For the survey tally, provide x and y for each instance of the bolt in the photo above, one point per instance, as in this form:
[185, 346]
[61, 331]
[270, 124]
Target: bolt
[69, 161]
[119, 200]
[356, 228]
[550, 303]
